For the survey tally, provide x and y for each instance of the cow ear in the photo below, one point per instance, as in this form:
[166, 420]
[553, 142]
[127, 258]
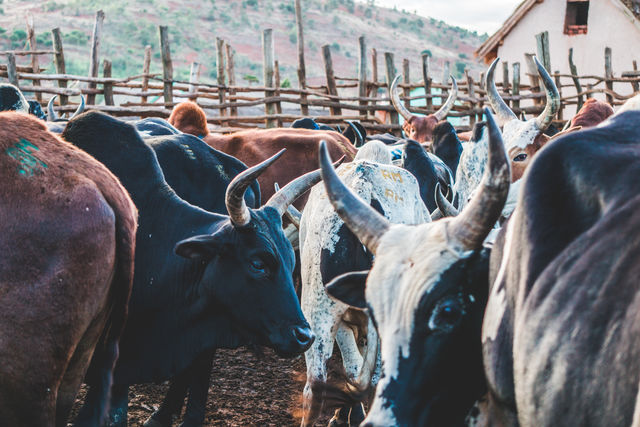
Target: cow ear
[349, 289]
[204, 246]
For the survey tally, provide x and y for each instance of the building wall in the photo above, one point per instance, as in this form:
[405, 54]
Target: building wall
[608, 26]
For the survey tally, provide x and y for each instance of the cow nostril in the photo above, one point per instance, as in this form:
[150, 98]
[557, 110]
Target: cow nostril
[303, 336]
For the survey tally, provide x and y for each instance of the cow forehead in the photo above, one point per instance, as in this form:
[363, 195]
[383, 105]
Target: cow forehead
[471, 168]
[408, 265]
[517, 133]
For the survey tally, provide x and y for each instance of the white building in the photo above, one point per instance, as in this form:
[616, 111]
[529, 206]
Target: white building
[586, 26]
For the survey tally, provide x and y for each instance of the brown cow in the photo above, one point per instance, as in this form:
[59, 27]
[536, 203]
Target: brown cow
[67, 236]
[592, 113]
[420, 128]
[256, 145]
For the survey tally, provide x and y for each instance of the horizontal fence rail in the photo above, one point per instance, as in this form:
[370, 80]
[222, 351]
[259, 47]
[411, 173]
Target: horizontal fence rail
[230, 107]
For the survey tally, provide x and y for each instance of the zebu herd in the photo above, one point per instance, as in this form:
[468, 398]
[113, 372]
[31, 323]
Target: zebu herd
[481, 279]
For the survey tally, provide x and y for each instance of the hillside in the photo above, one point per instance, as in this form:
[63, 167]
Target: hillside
[194, 25]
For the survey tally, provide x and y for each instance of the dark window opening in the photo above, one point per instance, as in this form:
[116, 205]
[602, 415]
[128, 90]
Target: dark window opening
[575, 21]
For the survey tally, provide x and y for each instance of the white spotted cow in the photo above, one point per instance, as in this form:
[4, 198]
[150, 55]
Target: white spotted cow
[426, 292]
[328, 249]
[522, 138]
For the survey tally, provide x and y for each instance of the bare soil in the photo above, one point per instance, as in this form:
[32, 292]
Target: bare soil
[246, 389]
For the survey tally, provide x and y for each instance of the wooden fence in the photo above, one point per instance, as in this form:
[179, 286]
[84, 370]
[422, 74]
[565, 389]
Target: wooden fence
[231, 107]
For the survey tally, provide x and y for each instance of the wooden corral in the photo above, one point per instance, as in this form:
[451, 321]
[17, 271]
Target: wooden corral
[364, 98]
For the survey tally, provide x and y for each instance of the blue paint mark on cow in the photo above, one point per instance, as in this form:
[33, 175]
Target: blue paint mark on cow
[22, 151]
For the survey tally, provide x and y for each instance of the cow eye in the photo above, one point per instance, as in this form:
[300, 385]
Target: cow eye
[520, 157]
[446, 315]
[258, 266]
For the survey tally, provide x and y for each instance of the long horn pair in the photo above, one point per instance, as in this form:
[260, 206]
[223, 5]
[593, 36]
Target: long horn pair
[505, 114]
[442, 112]
[51, 112]
[469, 229]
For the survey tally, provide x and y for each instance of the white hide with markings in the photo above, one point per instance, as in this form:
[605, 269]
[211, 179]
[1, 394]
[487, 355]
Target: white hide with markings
[371, 176]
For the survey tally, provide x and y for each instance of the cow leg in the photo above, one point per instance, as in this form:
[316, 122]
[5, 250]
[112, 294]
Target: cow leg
[172, 404]
[119, 403]
[200, 377]
[100, 381]
[316, 359]
[352, 361]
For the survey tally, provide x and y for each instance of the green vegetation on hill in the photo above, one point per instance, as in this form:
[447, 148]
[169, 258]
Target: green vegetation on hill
[130, 25]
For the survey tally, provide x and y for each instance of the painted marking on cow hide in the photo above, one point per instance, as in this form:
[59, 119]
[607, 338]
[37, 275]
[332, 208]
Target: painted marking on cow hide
[22, 151]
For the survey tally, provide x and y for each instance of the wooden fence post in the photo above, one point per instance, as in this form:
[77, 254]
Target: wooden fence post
[534, 80]
[331, 80]
[108, 87]
[362, 73]
[391, 74]
[559, 86]
[374, 73]
[58, 60]
[220, 74]
[145, 72]
[472, 95]
[268, 55]
[276, 76]
[12, 73]
[427, 80]
[95, 46]
[635, 85]
[608, 73]
[515, 90]
[302, 73]
[544, 55]
[231, 76]
[167, 66]
[35, 66]
[576, 80]
[406, 92]
[446, 72]
[505, 77]
[194, 76]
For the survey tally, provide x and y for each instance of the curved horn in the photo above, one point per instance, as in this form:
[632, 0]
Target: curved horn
[359, 139]
[293, 214]
[553, 98]
[395, 100]
[51, 112]
[296, 188]
[367, 224]
[80, 108]
[444, 205]
[435, 215]
[474, 223]
[441, 114]
[503, 112]
[234, 198]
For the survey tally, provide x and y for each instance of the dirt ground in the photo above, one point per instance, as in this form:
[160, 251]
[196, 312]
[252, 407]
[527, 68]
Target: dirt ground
[246, 390]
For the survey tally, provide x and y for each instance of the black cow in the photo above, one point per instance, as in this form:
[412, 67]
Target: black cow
[155, 126]
[354, 132]
[199, 175]
[560, 334]
[11, 99]
[229, 282]
[446, 145]
[416, 160]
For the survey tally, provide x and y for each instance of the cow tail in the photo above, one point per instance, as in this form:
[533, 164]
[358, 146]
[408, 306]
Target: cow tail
[100, 375]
